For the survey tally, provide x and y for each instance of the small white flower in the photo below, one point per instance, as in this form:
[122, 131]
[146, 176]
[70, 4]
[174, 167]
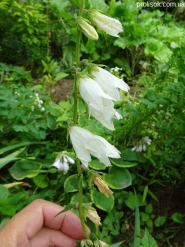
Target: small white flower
[62, 162]
[86, 144]
[142, 145]
[147, 140]
[87, 29]
[109, 83]
[42, 109]
[109, 25]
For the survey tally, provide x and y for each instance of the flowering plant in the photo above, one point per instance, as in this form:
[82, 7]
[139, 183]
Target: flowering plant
[98, 90]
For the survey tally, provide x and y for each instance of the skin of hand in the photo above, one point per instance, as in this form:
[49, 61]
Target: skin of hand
[37, 226]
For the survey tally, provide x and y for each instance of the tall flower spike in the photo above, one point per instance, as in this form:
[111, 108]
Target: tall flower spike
[109, 83]
[87, 29]
[109, 25]
[86, 144]
[99, 103]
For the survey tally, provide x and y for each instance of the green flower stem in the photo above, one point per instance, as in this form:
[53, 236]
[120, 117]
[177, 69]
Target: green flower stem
[75, 119]
[80, 202]
[78, 46]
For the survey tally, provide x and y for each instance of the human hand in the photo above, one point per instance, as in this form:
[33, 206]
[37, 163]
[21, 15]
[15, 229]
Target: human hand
[37, 226]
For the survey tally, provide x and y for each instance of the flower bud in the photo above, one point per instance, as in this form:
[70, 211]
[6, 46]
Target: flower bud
[87, 29]
[102, 186]
[109, 25]
[89, 242]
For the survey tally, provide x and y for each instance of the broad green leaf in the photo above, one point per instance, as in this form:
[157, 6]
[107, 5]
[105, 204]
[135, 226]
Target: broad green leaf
[25, 168]
[130, 202]
[71, 183]
[11, 157]
[101, 201]
[129, 155]
[118, 178]
[123, 164]
[75, 198]
[148, 240]
[97, 165]
[41, 181]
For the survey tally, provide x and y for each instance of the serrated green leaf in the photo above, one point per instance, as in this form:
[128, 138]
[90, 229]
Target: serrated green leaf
[148, 240]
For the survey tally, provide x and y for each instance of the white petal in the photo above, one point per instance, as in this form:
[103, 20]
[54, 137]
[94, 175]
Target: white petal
[64, 167]
[105, 116]
[70, 160]
[57, 163]
[92, 93]
[117, 115]
[77, 138]
[109, 83]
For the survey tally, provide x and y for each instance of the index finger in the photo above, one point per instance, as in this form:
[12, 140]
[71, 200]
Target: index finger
[41, 213]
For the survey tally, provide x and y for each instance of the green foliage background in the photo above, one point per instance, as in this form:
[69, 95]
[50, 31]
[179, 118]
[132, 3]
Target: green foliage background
[36, 51]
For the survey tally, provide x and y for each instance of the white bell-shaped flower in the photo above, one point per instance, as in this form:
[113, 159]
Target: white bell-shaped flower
[142, 145]
[62, 162]
[109, 25]
[86, 144]
[99, 103]
[109, 83]
[92, 93]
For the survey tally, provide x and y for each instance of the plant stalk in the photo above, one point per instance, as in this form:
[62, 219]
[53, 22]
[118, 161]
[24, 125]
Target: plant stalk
[75, 119]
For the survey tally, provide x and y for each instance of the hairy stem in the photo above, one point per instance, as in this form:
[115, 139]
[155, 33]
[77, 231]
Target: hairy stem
[75, 119]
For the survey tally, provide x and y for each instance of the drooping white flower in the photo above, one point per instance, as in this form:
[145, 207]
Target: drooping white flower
[87, 29]
[109, 83]
[86, 144]
[105, 116]
[109, 25]
[99, 103]
[92, 93]
[62, 162]
[142, 145]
